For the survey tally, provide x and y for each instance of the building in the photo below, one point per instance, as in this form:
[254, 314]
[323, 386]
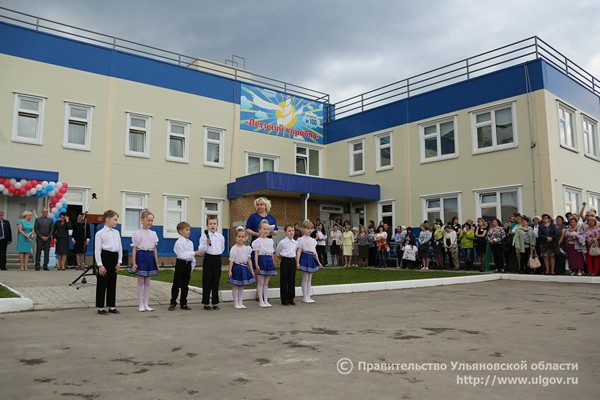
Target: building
[514, 129]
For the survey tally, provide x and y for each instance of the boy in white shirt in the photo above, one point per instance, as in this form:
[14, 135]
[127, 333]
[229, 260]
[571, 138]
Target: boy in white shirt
[186, 261]
[212, 245]
[286, 251]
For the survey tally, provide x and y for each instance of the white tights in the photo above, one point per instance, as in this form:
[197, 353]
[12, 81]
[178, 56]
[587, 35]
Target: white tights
[306, 285]
[262, 288]
[238, 295]
[143, 290]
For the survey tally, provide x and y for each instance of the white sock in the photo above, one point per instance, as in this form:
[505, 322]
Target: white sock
[305, 292]
[146, 291]
[240, 295]
[234, 293]
[140, 290]
[266, 290]
[260, 282]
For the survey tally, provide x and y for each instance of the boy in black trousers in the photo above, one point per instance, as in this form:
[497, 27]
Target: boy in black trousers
[186, 261]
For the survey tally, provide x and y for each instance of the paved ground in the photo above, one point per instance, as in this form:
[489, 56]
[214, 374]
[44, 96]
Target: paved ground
[292, 352]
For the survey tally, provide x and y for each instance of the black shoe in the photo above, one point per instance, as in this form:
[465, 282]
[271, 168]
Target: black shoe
[114, 311]
[207, 308]
[171, 308]
[216, 307]
[46, 269]
[292, 303]
[102, 312]
[185, 307]
[285, 304]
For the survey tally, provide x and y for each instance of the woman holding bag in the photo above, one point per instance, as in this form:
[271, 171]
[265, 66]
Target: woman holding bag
[524, 243]
[592, 241]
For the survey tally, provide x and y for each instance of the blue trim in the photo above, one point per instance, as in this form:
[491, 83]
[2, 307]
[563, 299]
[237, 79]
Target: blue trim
[22, 173]
[290, 183]
[570, 91]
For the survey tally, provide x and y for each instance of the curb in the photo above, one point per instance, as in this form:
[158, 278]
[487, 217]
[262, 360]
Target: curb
[15, 304]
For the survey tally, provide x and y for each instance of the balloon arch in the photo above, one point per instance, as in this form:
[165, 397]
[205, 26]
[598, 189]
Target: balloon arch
[56, 191]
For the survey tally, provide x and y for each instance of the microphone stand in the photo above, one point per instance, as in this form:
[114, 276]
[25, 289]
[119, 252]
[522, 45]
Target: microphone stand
[92, 267]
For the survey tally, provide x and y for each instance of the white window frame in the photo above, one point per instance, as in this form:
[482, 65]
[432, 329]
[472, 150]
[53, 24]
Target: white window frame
[356, 152]
[127, 231]
[220, 143]
[570, 204]
[84, 191]
[438, 136]
[381, 214]
[166, 210]
[39, 114]
[218, 213]
[185, 136]
[498, 191]
[87, 146]
[562, 136]
[441, 197]
[262, 158]
[379, 148]
[307, 156]
[495, 146]
[593, 201]
[590, 133]
[146, 130]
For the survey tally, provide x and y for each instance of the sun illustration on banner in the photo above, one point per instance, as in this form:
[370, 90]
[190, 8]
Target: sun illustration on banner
[281, 114]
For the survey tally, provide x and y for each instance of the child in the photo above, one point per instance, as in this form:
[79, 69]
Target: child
[109, 255]
[186, 261]
[145, 259]
[286, 251]
[263, 262]
[240, 267]
[307, 260]
[212, 244]
[409, 255]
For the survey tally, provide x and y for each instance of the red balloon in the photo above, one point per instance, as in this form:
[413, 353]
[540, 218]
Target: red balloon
[58, 195]
[7, 183]
[65, 185]
[27, 186]
[62, 190]
[2, 179]
[23, 191]
[33, 183]
[11, 189]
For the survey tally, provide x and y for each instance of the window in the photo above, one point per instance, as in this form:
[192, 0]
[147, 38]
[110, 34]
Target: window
[593, 201]
[256, 163]
[590, 137]
[78, 127]
[444, 207]
[383, 156]
[133, 205]
[212, 207]
[175, 212]
[572, 199]
[566, 126]
[138, 135]
[28, 120]
[438, 141]
[78, 196]
[385, 212]
[178, 141]
[357, 152]
[213, 147]
[308, 161]
[494, 129]
[498, 203]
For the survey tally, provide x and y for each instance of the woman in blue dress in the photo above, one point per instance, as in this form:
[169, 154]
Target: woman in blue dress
[24, 239]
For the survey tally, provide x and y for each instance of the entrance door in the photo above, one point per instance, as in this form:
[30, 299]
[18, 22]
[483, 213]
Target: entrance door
[14, 211]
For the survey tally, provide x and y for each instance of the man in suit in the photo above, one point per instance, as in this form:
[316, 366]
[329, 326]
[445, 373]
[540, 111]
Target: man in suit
[5, 239]
[43, 233]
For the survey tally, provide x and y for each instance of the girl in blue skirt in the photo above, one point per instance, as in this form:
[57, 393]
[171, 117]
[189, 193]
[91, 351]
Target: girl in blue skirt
[240, 267]
[145, 258]
[307, 260]
[263, 262]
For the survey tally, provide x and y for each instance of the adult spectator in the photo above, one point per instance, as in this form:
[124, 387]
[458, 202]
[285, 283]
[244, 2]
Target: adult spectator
[466, 239]
[362, 243]
[495, 238]
[321, 244]
[575, 246]
[548, 235]
[5, 239]
[424, 245]
[561, 255]
[43, 228]
[335, 241]
[81, 238]
[480, 242]
[382, 251]
[524, 243]
[263, 206]
[24, 239]
[61, 237]
[592, 241]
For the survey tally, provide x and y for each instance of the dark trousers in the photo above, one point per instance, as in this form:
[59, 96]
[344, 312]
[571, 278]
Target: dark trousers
[3, 246]
[211, 275]
[45, 245]
[322, 254]
[524, 260]
[498, 253]
[181, 280]
[106, 286]
[287, 282]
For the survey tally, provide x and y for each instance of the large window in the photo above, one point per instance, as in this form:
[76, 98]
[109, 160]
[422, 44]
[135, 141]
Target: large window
[444, 206]
[498, 202]
[308, 160]
[133, 205]
[78, 126]
[256, 163]
[213, 147]
[572, 199]
[594, 201]
[175, 212]
[212, 207]
[438, 140]
[590, 137]
[383, 148]
[178, 141]
[385, 212]
[494, 129]
[28, 119]
[357, 156]
[566, 126]
[138, 135]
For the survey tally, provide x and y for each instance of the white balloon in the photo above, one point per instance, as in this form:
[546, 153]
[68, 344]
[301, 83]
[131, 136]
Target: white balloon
[33, 191]
[12, 181]
[18, 185]
[2, 187]
[50, 215]
[44, 184]
[5, 192]
[63, 201]
[38, 187]
[23, 182]
[54, 210]
[28, 194]
[58, 185]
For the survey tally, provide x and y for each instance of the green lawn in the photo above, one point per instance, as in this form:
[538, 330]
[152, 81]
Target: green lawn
[326, 276]
[5, 293]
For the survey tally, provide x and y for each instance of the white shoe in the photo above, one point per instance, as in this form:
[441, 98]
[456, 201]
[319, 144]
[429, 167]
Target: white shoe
[147, 308]
[308, 301]
[238, 307]
[141, 309]
[263, 305]
[268, 304]
[243, 306]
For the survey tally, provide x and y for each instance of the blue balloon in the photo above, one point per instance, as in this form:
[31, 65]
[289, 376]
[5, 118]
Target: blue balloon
[44, 192]
[50, 188]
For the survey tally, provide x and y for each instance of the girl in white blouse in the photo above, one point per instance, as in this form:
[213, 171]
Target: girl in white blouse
[145, 258]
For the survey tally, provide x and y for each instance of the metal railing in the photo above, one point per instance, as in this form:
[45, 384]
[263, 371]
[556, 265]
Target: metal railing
[484, 63]
[115, 43]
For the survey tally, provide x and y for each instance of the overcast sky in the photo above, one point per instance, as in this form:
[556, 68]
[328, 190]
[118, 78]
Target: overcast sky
[339, 47]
